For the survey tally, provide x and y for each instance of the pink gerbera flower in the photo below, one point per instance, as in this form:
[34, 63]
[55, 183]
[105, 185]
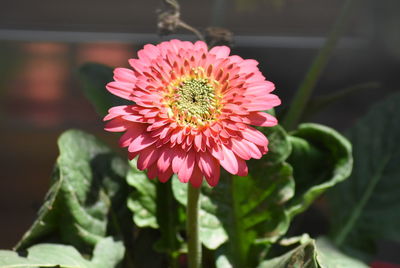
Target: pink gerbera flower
[191, 110]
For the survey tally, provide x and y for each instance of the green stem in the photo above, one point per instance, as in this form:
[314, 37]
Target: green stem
[307, 86]
[192, 228]
[356, 212]
[319, 103]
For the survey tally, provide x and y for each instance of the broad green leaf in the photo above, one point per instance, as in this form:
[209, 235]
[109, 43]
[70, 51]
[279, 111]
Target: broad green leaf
[318, 253]
[279, 147]
[328, 256]
[94, 78]
[153, 206]
[243, 214]
[366, 207]
[48, 215]
[142, 202]
[320, 158]
[107, 254]
[303, 256]
[87, 198]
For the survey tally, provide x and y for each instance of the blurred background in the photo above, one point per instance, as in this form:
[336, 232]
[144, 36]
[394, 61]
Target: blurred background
[42, 44]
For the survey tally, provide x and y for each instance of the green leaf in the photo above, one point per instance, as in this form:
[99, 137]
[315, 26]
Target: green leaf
[328, 256]
[303, 256]
[94, 78]
[47, 220]
[142, 202]
[107, 253]
[313, 254]
[241, 213]
[366, 207]
[87, 198]
[279, 147]
[153, 206]
[321, 158]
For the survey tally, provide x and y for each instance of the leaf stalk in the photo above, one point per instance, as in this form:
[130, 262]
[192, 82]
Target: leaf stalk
[307, 86]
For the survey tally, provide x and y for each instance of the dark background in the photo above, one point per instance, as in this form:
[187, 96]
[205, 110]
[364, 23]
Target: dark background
[42, 43]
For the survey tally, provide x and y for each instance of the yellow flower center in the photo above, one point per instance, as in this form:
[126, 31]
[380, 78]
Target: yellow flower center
[193, 101]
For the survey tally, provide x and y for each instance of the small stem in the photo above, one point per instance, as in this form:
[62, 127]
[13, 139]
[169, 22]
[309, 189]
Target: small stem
[196, 32]
[192, 227]
[358, 209]
[309, 82]
[174, 10]
[319, 103]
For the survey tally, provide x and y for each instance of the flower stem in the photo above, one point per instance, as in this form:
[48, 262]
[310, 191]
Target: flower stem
[309, 82]
[192, 227]
[356, 212]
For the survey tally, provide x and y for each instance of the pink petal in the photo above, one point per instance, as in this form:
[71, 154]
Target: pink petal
[132, 155]
[116, 125]
[224, 134]
[142, 141]
[175, 44]
[199, 142]
[217, 152]
[165, 158]
[214, 178]
[197, 177]
[220, 51]
[185, 172]
[133, 131]
[249, 63]
[177, 160]
[147, 157]
[156, 127]
[165, 176]
[139, 66]
[133, 118]
[189, 139]
[200, 45]
[267, 104]
[254, 136]
[230, 162]
[124, 75]
[262, 119]
[152, 171]
[120, 89]
[207, 163]
[148, 53]
[242, 168]
[263, 87]
[117, 111]
[254, 150]
[240, 149]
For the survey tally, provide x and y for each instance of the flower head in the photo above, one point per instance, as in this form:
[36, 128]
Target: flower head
[191, 111]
